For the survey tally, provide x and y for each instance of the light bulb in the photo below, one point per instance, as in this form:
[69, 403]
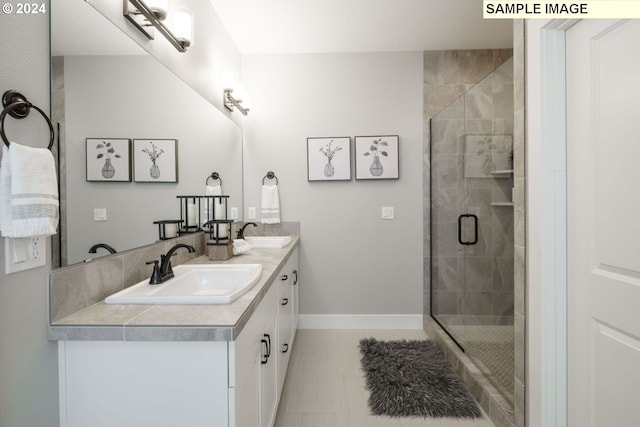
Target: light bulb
[183, 27]
[238, 91]
[246, 101]
[227, 80]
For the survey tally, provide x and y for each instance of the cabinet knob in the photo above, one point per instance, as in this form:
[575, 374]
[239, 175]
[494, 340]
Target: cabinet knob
[284, 277]
[285, 301]
[285, 347]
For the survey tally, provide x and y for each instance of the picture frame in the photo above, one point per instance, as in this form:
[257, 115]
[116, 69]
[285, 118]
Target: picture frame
[108, 159]
[377, 157]
[155, 160]
[329, 158]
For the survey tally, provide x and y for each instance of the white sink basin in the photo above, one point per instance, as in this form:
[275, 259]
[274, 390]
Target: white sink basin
[268, 241]
[194, 284]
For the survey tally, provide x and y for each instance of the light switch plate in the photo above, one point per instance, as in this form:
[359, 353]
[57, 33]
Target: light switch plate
[388, 212]
[25, 253]
[234, 213]
[100, 214]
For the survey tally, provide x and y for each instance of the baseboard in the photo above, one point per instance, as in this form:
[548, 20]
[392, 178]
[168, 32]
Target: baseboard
[360, 321]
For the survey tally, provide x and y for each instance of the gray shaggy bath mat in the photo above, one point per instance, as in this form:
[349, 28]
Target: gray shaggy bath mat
[413, 379]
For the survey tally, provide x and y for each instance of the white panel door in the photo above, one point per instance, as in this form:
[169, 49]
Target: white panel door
[603, 202]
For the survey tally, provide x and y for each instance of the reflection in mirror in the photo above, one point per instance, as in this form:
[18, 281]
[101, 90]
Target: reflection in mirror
[102, 90]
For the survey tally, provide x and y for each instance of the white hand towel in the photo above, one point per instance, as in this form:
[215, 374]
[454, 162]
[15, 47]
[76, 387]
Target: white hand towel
[5, 192]
[241, 246]
[29, 185]
[218, 208]
[210, 190]
[270, 205]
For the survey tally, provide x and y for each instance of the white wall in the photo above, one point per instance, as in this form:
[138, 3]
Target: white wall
[28, 361]
[201, 66]
[351, 261]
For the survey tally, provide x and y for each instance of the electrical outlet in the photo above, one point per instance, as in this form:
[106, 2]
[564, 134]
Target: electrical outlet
[234, 213]
[24, 253]
[252, 213]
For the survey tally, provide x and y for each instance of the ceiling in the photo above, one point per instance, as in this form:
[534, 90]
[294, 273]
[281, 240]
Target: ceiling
[307, 26]
[320, 26]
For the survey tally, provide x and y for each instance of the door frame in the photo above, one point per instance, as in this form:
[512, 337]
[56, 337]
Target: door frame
[546, 223]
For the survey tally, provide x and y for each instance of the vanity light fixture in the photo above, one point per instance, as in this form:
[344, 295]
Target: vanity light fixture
[143, 17]
[234, 95]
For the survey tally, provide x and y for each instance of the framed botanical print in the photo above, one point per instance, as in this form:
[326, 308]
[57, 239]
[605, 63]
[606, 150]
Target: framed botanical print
[377, 157]
[329, 159]
[155, 160]
[108, 159]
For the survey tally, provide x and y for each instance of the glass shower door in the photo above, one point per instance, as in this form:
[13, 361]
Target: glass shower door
[472, 240]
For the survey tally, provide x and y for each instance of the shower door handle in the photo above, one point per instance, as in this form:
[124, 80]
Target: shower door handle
[475, 229]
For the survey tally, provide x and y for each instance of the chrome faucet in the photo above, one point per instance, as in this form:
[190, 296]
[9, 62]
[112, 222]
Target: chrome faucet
[95, 247]
[163, 272]
[241, 231]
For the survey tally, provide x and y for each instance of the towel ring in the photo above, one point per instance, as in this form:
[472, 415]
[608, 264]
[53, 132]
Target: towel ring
[17, 106]
[214, 176]
[270, 175]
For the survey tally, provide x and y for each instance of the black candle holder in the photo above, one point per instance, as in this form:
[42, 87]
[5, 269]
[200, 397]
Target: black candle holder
[189, 214]
[165, 228]
[217, 224]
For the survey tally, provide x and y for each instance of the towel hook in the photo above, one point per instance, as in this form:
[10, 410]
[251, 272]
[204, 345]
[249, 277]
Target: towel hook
[16, 105]
[214, 176]
[270, 175]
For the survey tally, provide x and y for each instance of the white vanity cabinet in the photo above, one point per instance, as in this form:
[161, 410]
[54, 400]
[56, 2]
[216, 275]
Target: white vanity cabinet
[287, 315]
[143, 383]
[253, 393]
[261, 352]
[185, 383]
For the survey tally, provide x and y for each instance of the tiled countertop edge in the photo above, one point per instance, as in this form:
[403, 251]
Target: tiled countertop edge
[61, 331]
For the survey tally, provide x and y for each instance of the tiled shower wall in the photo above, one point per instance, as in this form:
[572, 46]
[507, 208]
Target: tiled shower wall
[471, 139]
[447, 75]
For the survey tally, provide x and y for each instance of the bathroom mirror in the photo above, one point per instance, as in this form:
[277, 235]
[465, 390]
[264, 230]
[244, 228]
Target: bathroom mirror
[106, 87]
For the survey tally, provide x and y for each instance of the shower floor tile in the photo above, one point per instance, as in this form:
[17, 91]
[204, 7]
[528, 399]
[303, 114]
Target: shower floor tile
[325, 385]
[492, 349]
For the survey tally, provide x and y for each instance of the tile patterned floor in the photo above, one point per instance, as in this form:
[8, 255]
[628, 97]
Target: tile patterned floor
[491, 348]
[325, 385]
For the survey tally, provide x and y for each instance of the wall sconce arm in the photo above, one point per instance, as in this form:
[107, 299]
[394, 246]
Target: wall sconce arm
[134, 10]
[230, 102]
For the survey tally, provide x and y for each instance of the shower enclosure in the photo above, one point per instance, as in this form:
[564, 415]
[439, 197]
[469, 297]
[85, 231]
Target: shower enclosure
[472, 239]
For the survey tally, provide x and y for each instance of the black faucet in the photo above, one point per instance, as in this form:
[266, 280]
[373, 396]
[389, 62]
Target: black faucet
[241, 231]
[95, 247]
[163, 272]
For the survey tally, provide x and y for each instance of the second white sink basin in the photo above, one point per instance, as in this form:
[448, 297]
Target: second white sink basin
[194, 284]
[268, 241]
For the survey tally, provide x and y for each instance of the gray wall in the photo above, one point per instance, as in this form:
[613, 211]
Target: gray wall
[28, 361]
[136, 97]
[352, 261]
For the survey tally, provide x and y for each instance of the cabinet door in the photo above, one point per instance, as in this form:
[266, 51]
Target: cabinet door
[268, 374]
[246, 394]
[249, 377]
[285, 325]
[295, 286]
